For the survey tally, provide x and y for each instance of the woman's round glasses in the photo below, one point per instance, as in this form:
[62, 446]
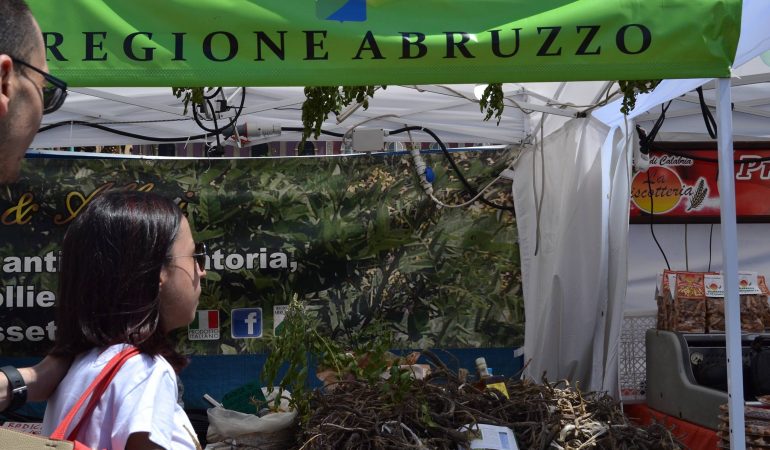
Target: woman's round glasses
[201, 252]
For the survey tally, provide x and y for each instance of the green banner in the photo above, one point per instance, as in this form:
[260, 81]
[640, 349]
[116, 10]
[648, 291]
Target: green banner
[354, 237]
[355, 42]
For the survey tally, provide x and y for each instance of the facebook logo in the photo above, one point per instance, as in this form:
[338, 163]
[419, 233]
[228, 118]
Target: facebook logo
[246, 323]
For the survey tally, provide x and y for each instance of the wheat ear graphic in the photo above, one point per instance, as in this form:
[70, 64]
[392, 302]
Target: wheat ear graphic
[700, 194]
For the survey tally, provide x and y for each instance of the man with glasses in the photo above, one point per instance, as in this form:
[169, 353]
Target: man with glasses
[27, 92]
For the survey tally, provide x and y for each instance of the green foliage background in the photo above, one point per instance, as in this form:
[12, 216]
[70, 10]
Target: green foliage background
[369, 244]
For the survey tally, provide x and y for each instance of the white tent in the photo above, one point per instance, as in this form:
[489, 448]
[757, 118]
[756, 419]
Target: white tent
[577, 218]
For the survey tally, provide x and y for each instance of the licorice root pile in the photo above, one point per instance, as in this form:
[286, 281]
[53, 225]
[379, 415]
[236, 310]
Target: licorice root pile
[428, 414]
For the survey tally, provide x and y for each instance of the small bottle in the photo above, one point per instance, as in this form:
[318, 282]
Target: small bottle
[487, 380]
[481, 368]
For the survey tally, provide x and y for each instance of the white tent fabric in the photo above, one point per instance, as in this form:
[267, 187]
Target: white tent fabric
[572, 236]
[452, 112]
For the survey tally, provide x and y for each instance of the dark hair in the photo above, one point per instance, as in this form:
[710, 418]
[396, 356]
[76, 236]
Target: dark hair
[111, 260]
[16, 29]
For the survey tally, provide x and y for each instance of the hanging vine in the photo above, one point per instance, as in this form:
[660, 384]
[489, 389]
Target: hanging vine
[492, 101]
[189, 95]
[320, 101]
[631, 89]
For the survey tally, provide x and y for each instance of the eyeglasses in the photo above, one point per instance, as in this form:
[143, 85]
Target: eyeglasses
[201, 252]
[54, 91]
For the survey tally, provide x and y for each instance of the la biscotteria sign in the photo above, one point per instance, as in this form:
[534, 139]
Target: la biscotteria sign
[333, 42]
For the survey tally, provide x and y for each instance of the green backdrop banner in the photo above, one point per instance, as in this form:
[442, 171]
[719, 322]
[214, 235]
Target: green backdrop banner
[354, 42]
[354, 237]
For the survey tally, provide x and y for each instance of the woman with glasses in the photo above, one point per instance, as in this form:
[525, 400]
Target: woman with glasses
[130, 274]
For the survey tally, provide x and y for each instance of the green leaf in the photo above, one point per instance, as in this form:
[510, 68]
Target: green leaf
[228, 350]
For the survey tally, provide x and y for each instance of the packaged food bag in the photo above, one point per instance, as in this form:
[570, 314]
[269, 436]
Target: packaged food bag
[764, 305]
[750, 300]
[689, 303]
[715, 303]
[666, 308]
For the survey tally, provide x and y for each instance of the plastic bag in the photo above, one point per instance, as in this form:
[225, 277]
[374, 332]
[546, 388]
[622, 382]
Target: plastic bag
[274, 428]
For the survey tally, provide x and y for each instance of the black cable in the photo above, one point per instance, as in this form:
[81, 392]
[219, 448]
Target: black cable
[216, 131]
[218, 151]
[652, 214]
[152, 138]
[456, 169]
[646, 141]
[214, 94]
[231, 123]
[198, 120]
[301, 130]
[711, 234]
[711, 124]
[124, 133]
[659, 122]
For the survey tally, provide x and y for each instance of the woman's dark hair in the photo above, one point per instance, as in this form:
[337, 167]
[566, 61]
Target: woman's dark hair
[16, 29]
[109, 276]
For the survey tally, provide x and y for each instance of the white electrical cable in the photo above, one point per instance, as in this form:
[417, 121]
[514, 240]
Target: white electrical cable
[420, 168]
[476, 197]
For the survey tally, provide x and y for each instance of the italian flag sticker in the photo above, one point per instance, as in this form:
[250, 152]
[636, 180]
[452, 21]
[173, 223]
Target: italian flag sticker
[205, 326]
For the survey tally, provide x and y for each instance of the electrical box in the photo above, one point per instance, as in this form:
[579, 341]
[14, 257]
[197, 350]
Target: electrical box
[368, 140]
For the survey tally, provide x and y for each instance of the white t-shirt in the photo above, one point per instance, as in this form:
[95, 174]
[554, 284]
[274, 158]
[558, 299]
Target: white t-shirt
[141, 398]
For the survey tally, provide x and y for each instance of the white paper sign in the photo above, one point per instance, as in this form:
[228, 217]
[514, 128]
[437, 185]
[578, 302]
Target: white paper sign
[494, 438]
[748, 283]
[714, 285]
[279, 313]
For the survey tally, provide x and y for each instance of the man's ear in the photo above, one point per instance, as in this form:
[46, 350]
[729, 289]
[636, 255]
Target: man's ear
[6, 68]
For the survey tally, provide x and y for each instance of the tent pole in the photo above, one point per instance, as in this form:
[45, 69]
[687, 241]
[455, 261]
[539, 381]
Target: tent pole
[730, 265]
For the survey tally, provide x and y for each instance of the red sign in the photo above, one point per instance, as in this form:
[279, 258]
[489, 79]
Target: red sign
[680, 185]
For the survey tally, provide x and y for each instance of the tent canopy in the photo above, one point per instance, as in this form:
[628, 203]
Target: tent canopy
[93, 44]
[354, 42]
[451, 111]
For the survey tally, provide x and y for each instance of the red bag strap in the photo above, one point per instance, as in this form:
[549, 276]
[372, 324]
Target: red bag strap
[95, 391]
